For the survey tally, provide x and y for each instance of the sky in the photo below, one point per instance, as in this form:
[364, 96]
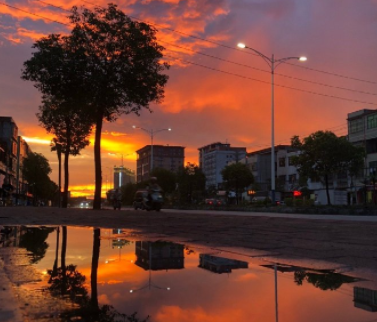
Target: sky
[216, 92]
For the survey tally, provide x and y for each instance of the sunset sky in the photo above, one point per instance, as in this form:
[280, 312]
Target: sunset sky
[216, 92]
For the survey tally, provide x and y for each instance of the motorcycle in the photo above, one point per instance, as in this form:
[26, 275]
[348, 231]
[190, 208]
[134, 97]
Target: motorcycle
[154, 201]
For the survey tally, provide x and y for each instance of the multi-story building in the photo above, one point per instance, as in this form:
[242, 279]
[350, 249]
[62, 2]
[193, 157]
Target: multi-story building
[9, 146]
[259, 163]
[362, 131]
[122, 176]
[213, 158]
[22, 152]
[164, 156]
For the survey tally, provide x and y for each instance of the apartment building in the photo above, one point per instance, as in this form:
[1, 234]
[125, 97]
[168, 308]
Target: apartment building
[122, 176]
[158, 156]
[362, 131]
[13, 150]
[213, 158]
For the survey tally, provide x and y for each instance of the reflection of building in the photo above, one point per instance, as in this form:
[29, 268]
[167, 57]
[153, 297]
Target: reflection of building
[220, 264]
[119, 243]
[159, 255]
[122, 176]
[365, 299]
[165, 157]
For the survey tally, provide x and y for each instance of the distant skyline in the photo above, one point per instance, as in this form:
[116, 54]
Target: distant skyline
[216, 91]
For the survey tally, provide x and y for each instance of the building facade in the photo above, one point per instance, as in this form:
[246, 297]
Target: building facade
[13, 150]
[122, 176]
[213, 158]
[164, 156]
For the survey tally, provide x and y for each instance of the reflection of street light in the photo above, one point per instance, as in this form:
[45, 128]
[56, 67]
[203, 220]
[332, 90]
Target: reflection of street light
[273, 63]
[149, 285]
[151, 134]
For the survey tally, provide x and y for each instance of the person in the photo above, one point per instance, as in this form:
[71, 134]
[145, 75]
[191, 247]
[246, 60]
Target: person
[153, 186]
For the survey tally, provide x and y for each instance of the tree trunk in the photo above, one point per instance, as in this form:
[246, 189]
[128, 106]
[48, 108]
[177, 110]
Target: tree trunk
[97, 164]
[66, 162]
[93, 275]
[327, 190]
[66, 179]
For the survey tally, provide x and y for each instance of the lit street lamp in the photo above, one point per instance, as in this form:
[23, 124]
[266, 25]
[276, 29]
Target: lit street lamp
[151, 134]
[273, 63]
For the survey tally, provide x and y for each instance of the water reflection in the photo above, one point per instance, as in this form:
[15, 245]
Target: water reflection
[365, 298]
[322, 279]
[95, 269]
[220, 265]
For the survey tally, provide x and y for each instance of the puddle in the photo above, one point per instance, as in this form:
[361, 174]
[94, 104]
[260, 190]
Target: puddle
[88, 274]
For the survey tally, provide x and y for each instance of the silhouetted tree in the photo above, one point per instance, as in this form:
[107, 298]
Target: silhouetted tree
[237, 176]
[165, 178]
[191, 183]
[36, 170]
[324, 155]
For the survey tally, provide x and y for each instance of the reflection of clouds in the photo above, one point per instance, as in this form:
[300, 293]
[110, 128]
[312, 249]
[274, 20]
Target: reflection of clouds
[175, 313]
[246, 277]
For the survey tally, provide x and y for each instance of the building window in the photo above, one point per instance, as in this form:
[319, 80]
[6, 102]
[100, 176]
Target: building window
[281, 162]
[290, 160]
[292, 178]
[372, 121]
[356, 126]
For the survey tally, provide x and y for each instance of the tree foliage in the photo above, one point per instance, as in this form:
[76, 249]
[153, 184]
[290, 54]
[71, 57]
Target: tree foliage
[36, 170]
[165, 178]
[109, 65]
[124, 69]
[323, 155]
[191, 183]
[237, 177]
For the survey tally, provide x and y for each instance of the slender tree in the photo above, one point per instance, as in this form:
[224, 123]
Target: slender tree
[56, 68]
[109, 65]
[237, 176]
[323, 155]
[124, 69]
[71, 129]
[191, 183]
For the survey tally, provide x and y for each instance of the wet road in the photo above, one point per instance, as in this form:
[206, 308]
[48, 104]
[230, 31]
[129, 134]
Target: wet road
[343, 243]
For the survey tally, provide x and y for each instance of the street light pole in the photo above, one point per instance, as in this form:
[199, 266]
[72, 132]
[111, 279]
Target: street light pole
[272, 63]
[151, 134]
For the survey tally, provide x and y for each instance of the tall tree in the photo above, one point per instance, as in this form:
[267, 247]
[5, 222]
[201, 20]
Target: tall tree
[112, 65]
[237, 176]
[71, 128]
[191, 183]
[323, 155]
[36, 170]
[124, 72]
[56, 68]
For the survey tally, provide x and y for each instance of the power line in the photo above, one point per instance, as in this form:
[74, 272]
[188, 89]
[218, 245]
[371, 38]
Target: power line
[225, 46]
[266, 71]
[34, 14]
[265, 82]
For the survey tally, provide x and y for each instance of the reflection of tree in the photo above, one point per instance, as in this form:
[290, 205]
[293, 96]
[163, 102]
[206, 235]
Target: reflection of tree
[323, 281]
[34, 240]
[67, 281]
